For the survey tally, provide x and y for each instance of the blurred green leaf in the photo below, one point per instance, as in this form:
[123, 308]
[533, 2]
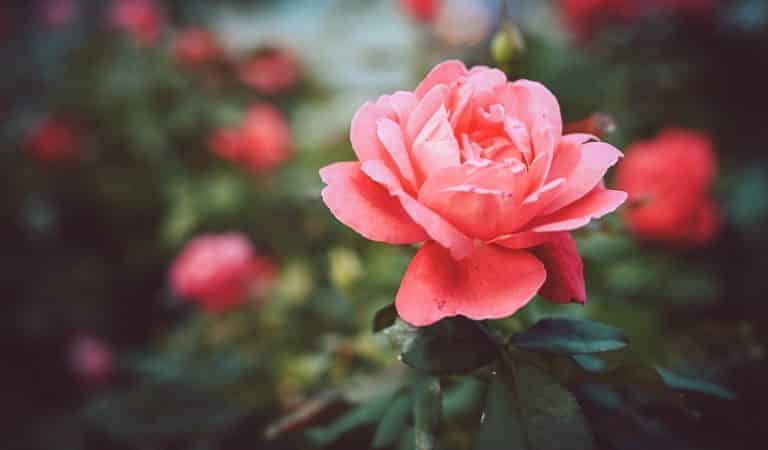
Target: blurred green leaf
[682, 383]
[366, 414]
[570, 336]
[393, 423]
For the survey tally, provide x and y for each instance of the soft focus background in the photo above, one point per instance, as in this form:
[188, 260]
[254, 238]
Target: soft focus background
[130, 128]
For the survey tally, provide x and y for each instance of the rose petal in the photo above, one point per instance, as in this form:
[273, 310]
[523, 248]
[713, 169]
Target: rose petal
[594, 205]
[367, 207]
[390, 134]
[596, 158]
[444, 73]
[565, 270]
[491, 283]
[362, 134]
[534, 104]
[436, 226]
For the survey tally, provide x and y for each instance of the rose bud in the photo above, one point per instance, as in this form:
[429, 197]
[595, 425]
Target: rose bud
[478, 169]
[142, 19]
[196, 46]
[668, 179]
[220, 272]
[55, 139]
[91, 360]
[271, 71]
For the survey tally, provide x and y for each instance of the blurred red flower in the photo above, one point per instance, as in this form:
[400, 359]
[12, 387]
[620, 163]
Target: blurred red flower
[583, 16]
[261, 142]
[271, 71]
[197, 46]
[142, 19]
[421, 10]
[54, 139]
[668, 179]
[221, 271]
[91, 359]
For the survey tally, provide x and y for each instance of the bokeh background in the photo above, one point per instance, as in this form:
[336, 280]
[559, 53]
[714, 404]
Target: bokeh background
[129, 128]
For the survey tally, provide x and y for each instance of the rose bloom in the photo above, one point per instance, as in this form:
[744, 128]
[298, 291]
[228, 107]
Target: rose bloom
[668, 179]
[261, 142]
[55, 139]
[221, 271]
[271, 71]
[142, 19]
[421, 10]
[91, 359]
[477, 168]
[197, 46]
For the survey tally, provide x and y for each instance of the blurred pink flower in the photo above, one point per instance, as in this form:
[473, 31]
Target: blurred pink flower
[478, 168]
[668, 179]
[271, 71]
[261, 142]
[142, 19]
[221, 271]
[197, 46]
[91, 360]
[54, 139]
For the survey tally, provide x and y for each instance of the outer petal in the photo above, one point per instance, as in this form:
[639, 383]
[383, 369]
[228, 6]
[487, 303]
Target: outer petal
[490, 284]
[596, 158]
[363, 135]
[565, 270]
[367, 207]
[594, 205]
[436, 226]
[444, 73]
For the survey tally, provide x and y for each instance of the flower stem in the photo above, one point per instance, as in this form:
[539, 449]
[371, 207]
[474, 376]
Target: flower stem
[427, 412]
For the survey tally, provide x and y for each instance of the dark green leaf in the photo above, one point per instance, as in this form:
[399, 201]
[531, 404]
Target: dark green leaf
[527, 409]
[464, 397]
[454, 345]
[384, 318]
[394, 422]
[570, 336]
[501, 426]
[365, 414]
[682, 383]
[551, 415]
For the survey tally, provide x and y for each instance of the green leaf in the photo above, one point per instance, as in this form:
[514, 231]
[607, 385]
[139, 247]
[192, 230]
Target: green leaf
[570, 336]
[527, 409]
[427, 413]
[463, 397]
[384, 318]
[682, 383]
[501, 425]
[365, 414]
[394, 422]
[551, 415]
[451, 346]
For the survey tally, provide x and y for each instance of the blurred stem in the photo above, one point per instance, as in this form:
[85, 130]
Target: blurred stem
[427, 412]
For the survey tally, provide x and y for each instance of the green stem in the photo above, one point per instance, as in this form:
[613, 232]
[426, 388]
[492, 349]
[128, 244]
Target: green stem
[427, 413]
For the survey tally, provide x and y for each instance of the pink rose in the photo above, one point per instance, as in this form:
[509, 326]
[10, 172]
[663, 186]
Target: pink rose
[478, 169]
[668, 179]
[261, 142]
[142, 19]
[221, 271]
